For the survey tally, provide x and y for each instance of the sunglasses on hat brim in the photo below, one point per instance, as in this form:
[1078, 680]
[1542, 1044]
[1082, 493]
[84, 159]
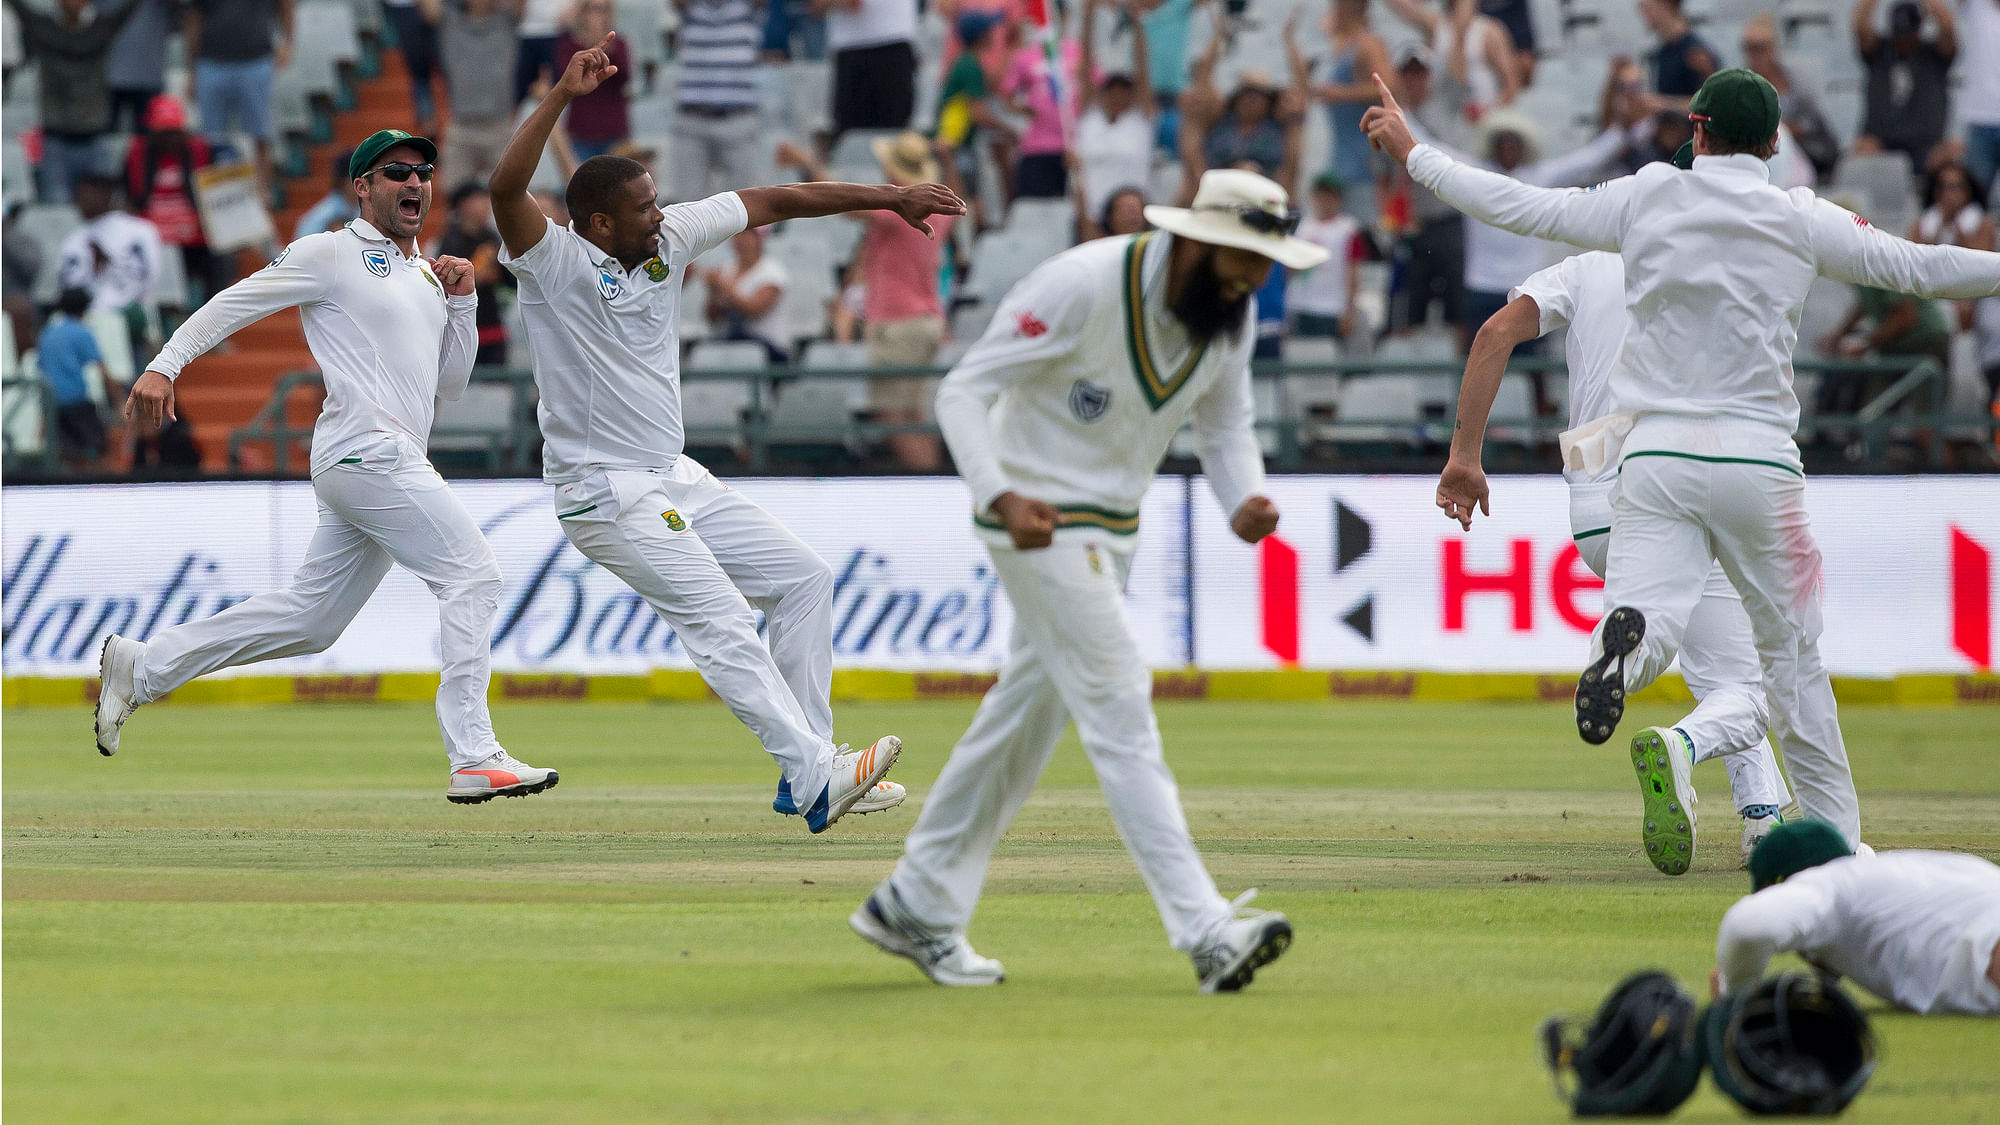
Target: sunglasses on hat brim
[1262, 221]
[398, 171]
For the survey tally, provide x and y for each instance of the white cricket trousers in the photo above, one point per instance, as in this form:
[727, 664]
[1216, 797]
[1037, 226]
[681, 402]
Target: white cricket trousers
[703, 556]
[1072, 653]
[1718, 661]
[1673, 516]
[382, 503]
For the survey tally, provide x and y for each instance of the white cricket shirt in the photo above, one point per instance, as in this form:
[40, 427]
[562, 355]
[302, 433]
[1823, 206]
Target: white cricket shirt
[606, 340]
[387, 337]
[1717, 264]
[1081, 381]
[1913, 927]
[1584, 293]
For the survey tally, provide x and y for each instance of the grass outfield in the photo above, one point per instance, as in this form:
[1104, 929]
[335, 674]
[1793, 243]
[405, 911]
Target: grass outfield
[272, 914]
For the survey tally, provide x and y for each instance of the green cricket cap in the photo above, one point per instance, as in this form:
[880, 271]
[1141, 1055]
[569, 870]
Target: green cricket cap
[1791, 848]
[1684, 156]
[1738, 105]
[380, 142]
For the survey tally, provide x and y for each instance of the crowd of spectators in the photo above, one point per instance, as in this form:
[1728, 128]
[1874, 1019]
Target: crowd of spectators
[1102, 105]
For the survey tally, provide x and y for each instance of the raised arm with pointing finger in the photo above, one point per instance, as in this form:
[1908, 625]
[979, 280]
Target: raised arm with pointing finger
[522, 224]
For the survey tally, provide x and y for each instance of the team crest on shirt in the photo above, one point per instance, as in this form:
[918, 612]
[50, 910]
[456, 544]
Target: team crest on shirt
[429, 278]
[377, 262]
[674, 520]
[1096, 563]
[607, 284]
[656, 270]
[1088, 401]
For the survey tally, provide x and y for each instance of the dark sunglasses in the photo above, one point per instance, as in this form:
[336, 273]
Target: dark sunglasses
[1262, 221]
[400, 171]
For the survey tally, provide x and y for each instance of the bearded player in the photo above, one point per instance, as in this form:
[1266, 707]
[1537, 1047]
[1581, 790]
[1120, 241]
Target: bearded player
[1057, 419]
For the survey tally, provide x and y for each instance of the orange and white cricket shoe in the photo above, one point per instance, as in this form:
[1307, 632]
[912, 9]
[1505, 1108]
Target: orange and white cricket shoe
[855, 776]
[501, 775]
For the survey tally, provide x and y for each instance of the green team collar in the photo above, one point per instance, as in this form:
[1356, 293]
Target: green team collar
[1158, 388]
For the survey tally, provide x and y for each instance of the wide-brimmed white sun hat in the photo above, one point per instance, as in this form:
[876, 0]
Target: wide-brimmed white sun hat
[1244, 210]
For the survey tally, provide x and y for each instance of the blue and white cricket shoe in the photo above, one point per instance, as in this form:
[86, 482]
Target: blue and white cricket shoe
[855, 776]
[885, 795]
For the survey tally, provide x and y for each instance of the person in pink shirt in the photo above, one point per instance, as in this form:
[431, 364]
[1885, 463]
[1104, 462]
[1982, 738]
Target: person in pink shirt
[905, 317]
[1041, 172]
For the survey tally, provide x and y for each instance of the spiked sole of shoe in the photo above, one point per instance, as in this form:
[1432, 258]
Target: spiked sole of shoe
[1600, 691]
[524, 790]
[1668, 828]
[1277, 937]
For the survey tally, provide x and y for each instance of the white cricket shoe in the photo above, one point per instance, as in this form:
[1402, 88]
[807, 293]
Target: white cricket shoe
[855, 776]
[943, 955]
[501, 775]
[116, 666]
[1232, 956]
[1755, 828]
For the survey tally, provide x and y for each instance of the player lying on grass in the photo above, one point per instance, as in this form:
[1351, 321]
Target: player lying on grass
[602, 299]
[1920, 929]
[1057, 419]
[392, 333]
[1717, 265]
[1586, 295]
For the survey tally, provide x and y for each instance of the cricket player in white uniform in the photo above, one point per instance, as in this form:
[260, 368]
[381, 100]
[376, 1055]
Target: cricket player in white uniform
[1717, 265]
[1920, 929]
[391, 337]
[602, 299]
[1586, 294]
[1057, 419]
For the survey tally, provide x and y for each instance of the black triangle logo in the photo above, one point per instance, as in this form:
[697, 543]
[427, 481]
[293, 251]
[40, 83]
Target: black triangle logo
[1351, 537]
[1361, 619]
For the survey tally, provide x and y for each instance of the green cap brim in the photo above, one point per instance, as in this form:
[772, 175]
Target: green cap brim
[381, 141]
[1684, 156]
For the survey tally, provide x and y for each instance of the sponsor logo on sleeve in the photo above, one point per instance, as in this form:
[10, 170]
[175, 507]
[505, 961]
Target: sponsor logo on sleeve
[281, 255]
[607, 284]
[377, 261]
[1028, 327]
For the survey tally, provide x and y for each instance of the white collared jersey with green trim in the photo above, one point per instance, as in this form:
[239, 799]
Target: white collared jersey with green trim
[1717, 264]
[1081, 381]
[388, 339]
[606, 341]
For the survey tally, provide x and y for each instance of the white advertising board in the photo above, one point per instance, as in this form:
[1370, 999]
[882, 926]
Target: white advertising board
[1365, 574]
[914, 587]
[1368, 573]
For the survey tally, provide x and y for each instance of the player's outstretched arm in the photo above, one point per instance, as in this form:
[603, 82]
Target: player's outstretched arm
[1851, 250]
[299, 276]
[1777, 919]
[767, 205]
[1462, 485]
[1594, 219]
[515, 214]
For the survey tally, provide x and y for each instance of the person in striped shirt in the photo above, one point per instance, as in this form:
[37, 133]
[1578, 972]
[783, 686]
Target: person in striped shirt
[715, 117]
